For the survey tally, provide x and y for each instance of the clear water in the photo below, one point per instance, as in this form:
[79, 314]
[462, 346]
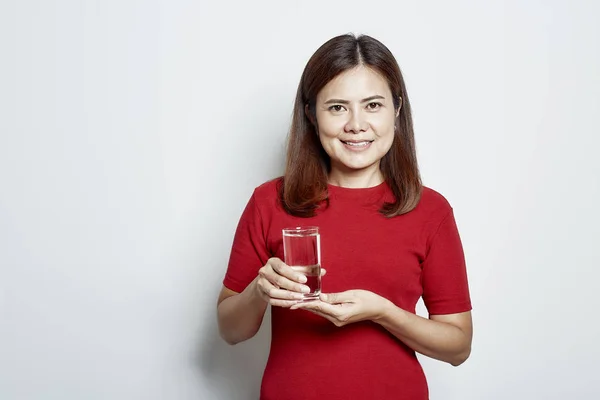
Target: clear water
[303, 254]
[313, 279]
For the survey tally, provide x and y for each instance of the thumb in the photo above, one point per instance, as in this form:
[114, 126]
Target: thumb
[336, 298]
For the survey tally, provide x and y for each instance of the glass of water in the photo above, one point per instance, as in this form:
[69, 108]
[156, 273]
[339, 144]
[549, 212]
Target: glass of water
[302, 252]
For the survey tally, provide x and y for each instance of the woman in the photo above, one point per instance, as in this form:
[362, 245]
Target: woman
[386, 240]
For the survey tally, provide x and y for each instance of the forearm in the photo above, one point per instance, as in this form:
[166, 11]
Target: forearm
[439, 340]
[240, 316]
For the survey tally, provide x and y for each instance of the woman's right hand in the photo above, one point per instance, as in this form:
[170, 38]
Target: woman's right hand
[279, 285]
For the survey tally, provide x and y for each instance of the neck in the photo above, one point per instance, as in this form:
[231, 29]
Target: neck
[356, 179]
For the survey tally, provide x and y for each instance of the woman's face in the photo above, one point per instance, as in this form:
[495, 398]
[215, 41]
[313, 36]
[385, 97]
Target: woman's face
[355, 118]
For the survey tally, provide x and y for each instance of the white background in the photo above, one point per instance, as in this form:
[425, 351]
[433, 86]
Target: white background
[132, 134]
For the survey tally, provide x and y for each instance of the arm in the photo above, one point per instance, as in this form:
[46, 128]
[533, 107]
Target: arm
[446, 335]
[443, 337]
[240, 314]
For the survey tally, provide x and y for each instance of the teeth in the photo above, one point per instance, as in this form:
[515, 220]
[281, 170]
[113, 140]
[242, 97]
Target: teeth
[357, 144]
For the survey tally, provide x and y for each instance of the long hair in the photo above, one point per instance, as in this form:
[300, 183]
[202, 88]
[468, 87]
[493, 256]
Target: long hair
[304, 186]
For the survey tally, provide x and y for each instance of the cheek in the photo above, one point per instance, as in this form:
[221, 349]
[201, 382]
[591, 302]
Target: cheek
[387, 144]
[384, 126]
[386, 137]
[330, 127]
[328, 144]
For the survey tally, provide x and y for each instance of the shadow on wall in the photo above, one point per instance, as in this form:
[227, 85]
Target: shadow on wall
[234, 372]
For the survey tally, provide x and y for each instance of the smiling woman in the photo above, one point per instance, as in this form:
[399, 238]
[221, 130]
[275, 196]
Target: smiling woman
[386, 241]
[356, 129]
[348, 86]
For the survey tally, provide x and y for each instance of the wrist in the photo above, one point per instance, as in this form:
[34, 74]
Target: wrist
[253, 294]
[387, 311]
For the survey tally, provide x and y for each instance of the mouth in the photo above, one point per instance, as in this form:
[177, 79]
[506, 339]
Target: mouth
[357, 144]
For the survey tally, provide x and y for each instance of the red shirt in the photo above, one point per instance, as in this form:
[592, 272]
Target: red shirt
[400, 258]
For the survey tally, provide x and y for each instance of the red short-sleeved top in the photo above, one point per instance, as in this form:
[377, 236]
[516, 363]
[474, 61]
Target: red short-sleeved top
[418, 254]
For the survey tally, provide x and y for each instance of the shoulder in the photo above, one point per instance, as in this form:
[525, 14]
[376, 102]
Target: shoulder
[433, 205]
[268, 191]
[433, 209]
[266, 196]
[432, 199]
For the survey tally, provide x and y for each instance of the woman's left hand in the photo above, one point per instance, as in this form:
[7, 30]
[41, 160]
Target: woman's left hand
[347, 307]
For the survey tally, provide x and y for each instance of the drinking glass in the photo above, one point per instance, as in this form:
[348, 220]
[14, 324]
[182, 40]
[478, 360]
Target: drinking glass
[302, 252]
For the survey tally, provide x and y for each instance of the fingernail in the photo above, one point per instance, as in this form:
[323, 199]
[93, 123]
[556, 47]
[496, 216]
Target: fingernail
[302, 278]
[305, 289]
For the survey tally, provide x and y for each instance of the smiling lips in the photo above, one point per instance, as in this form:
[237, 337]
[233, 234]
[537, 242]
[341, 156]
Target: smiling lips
[357, 145]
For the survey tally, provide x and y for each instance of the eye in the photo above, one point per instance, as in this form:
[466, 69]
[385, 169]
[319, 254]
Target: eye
[373, 106]
[336, 108]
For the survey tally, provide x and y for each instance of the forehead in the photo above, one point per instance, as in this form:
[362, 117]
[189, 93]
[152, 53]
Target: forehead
[355, 84]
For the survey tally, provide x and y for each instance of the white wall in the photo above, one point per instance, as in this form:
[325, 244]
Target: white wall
[133, 132]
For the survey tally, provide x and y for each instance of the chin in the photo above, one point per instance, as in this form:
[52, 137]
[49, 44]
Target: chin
[356, 166]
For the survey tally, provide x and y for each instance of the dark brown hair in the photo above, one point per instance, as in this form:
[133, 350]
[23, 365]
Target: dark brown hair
[304, 186]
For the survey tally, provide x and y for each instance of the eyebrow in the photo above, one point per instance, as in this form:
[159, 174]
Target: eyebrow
[341, 101]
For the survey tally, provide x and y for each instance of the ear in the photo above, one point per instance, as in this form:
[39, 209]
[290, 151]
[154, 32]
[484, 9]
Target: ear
[399, 106]
[309, 115]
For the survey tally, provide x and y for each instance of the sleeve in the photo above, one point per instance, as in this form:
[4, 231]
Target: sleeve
[444, 274]
[249, 250]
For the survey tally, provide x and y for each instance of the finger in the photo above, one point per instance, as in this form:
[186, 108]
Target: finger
[284, 283]
[268, 273]
[282, 303]
[273, 292]
[337, 298]
[285, 270]
[307, 305]
[319, 306]
[323, 271]
[328, 317]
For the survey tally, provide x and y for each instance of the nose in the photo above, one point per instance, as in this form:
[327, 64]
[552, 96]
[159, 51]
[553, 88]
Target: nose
[356, 123]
